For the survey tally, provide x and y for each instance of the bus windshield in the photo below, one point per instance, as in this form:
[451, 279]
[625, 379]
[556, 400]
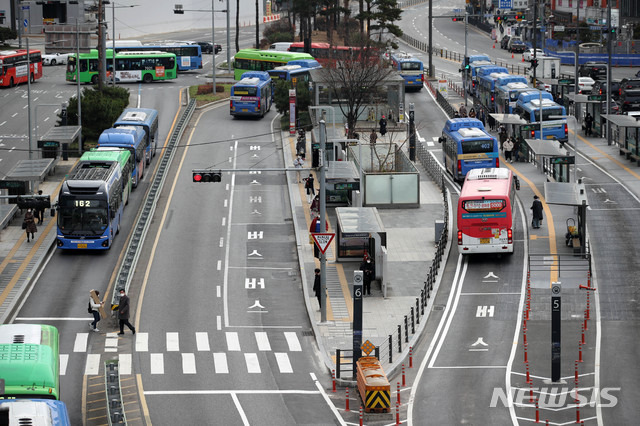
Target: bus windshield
[477, 146]
[82, 216]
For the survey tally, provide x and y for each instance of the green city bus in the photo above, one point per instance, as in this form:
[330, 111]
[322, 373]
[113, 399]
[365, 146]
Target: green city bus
[262, 60]
[29, 361]
[146, 66]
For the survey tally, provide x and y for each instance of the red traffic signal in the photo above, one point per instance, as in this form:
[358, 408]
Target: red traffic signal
[456, 19]
[206, 176]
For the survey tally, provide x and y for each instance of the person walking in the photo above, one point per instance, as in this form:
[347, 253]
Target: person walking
[588, 124]
[310, 187]
[463, 111]
[516, 150]
[481, 116]
[298, 163]
[373, 137]
[491, 121]
[536, 211]
[472, 113]
[123, 313]
[317, 287]
[508, 148]
[315, 206]
[94, 309]
[368, 274]
[39, 212]
[383, 125]
[502, 134]
[29, 224]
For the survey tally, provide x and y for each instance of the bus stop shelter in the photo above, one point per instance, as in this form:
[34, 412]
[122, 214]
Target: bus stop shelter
[580, 105]
[515, 126]
[625, 133]
[551, 158]
[571, 194]
[59, 137]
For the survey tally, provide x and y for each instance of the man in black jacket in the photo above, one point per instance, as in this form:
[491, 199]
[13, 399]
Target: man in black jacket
[123, 313]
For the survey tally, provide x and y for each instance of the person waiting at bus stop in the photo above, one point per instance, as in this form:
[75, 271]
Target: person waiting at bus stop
[508, 146]
[368, 274]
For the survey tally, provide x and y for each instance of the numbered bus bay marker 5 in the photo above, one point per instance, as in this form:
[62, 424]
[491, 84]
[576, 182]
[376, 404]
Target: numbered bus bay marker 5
[323, 240]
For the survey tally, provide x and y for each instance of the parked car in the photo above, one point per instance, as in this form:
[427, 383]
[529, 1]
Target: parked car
[585, 84]
[55, 58]
[600, 88]
[504, 43]
[630, 101]
[614, 107]
[528, 54]
[595, 70]
[205, 46]
[516, 46]
[629, 84]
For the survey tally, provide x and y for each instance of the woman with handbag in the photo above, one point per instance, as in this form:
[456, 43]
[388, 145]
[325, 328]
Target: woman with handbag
[29, 225]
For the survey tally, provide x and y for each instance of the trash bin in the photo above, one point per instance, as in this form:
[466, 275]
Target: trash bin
[439, 228]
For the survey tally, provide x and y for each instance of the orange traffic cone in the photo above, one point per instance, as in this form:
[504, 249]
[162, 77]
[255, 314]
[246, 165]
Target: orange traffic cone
[512, 56]
[494, 45]
[522, 58]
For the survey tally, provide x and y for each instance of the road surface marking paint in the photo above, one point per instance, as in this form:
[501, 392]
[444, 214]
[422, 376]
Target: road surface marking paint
[283, 362]
[292, 341]
[253, 365]
[233, 344]
[80, 344]
[219, 267]
[218, 292]
[263, 341]
[188, 363]
[218, 322]
[220, 363]
[224, 221]
[243, 416]
[64, 361]
[125, 363]
[202, 341]
[142, 342]
[93, 365]
[173, 342]
[328, 400]
[157, 364]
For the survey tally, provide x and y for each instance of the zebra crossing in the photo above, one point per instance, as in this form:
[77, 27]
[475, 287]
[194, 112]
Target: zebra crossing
[171, 358]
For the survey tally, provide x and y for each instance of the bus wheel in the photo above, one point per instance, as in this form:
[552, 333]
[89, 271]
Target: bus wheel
[147, 78]
[94, 79]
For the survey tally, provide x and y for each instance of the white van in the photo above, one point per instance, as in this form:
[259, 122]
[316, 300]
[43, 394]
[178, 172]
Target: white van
[280, 46]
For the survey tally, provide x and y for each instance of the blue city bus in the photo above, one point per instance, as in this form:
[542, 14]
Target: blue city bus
[486, 85]
[92, 199]
[31, 411]
[188, 56]
[132, 138]
[470, 75]
[507, 91]
[295, 71]
[467, 145]
[146, 118]
[410, 69]
[535, 105]
[252, 95]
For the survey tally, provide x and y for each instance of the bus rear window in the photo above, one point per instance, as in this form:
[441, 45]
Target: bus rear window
[245, 91]
[473, 206]
[410, 66]
[477, 146]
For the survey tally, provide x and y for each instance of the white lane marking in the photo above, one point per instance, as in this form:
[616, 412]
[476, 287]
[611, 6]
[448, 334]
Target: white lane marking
[218, 323]
[328, 400]
[220, 363]
[225, 280]
[219, 267]
[188, 363]
[283, 362]
[173, 342]
[292, 341]
[243, 416]
[157, 363]
[93, 365]
[80, 345]
[253, 365]
[218, 291]
[233, 344]
[142, 342]
[125, 363]
[202, 342]
[263, 341]
[64, 361]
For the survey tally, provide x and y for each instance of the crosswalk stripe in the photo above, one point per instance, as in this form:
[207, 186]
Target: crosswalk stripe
[93, 365]
[188, 363]
[124, 366]
[283, 362]
[233, 343]
[64, 361]
[80, 345]
[142, 342]
[263, 341]
[253, 366]
[173, 342]
[202, 342]
[157, 363]
[220, 362]
[292, 341]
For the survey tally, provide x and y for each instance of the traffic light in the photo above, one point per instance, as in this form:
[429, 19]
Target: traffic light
[206, 176]
[518, 17]
[456, 19]
[534, 63]
[178, 9]
[498, 18]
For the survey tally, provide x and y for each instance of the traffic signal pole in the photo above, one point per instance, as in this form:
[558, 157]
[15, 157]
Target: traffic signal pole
[323, 221]
[466, 55]
[535, 50]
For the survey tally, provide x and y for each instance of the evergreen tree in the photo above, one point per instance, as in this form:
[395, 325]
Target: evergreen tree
[385, 14]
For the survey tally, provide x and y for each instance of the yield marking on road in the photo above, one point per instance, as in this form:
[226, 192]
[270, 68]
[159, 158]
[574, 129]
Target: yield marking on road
[484, 311]
[125, 364]
[253, 366]
[173, 342]
[478, 342]
[220, 362]
[490, 278]
[233, 343]
[157, 364]
[142, 342]
[263, 341]
[202, 342]
[283, 362]
[80, 345]
[292, 341]
[64, 361]
[93, 365]
[188, 363]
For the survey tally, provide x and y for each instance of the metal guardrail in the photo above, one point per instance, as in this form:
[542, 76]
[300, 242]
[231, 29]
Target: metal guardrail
[143, 221]
[115, 408]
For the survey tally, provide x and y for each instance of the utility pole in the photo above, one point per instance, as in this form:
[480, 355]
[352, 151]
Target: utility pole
[609, 42]
[464, 63]
[535, 49]
[576, 88]
[323, 221]
[102, 47]
[430, 38]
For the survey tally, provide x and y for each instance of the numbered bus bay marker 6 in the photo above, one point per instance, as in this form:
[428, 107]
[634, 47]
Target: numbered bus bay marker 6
[323, 240]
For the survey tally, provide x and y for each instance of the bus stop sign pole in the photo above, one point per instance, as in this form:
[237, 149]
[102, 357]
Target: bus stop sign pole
[556, 315]
[357, 318]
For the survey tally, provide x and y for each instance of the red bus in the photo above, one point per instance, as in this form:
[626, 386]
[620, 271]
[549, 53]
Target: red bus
[486, 209]
[13, 66]
[327, 54]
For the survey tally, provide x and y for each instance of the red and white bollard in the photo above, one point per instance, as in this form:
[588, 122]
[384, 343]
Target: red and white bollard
[576, 373]
[333, 378]
[537, 412]
[347, 403]
[361, 415]
[580, 352]
[403, 377]
[398, 392]
[583, 335]
[410, 356]
[397, 413]
[528, 378]
[525, 353]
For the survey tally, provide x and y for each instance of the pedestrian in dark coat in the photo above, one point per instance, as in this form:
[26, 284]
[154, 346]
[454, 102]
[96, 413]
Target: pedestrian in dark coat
[309, 186]
[588, 124]
[317, 287]
[481, 116]
[492, 122]
[373, 137]
[39, 213]
[368, 274]
[30, 224]
[536, 211]
[123, 313]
